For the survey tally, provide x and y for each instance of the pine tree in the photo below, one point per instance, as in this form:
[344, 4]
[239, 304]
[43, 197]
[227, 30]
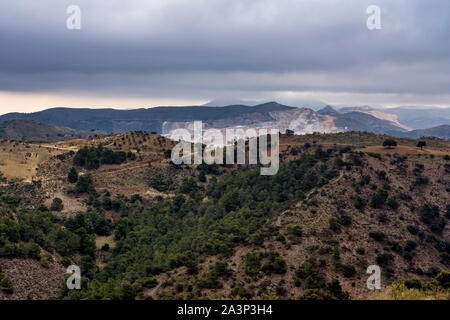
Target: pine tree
[73, 175]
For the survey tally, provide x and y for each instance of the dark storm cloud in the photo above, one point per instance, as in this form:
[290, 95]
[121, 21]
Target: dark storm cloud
[193, 47]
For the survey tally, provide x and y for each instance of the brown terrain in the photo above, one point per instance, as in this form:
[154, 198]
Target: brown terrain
[38, 172]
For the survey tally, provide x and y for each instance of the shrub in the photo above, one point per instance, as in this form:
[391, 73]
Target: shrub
[202, 176]
[188, 185]
[107, 203]
[378, 198]
[420, 181]
[393, 203]
[364, 180]
[310, 294]
[252, 264]
[57, 205]
[384, 259]
[412, 229]
[334, 225]
[6, 285]
[382, 217]
[345, 220]
[443, 279]
[377, 236]
[149, 282]
[280, 290]
[72, 176]
[275, 264]
[336, 253]
[296, 231]
[427, 214]
[168, 153]
[359, 203]
[84, 184]
[221, 268]
[160, 183]
[348, 270]
[410, 245]
[211, 281]
[421, 144]
[335, 288]
[389, 143]
[305, 270]
[127, 292]
[314, 282]
[238, 292]
[65, 261]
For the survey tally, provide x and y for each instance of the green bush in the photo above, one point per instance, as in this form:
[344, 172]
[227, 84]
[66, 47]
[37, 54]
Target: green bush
[384, 259]
[378, 198]
[443, 279]
[57, 205]
[389, 143]
[221, 268]
[84, 184]
[6, 285]
[412, 229]
[335, 289]
[306, 270]
[427, 213]
[275, 264]
[392, 202]
[359, 203]
[377, 235]
[348, 270]
[72, 176]
[252, 264]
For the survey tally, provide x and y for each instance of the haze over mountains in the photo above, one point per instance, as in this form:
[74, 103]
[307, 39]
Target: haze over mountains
[401, 122]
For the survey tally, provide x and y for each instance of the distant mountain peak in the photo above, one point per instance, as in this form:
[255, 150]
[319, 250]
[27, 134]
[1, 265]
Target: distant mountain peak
[270, 103]
[328, 110]
[222, 102]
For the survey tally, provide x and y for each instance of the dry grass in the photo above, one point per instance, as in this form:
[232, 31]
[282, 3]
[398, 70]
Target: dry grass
[20, 160]
[409, 294]
[404, 150]
[100, 241]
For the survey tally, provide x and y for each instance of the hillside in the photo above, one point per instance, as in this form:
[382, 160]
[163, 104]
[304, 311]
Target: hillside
[140, 227]
[31, 130]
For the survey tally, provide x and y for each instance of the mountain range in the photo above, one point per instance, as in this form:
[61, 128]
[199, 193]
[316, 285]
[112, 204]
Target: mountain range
[267, 115]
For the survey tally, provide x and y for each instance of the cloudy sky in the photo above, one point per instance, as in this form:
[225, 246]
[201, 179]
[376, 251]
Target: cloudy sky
[144, 53]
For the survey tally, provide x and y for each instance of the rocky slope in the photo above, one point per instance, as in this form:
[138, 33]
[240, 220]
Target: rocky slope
[338, 234]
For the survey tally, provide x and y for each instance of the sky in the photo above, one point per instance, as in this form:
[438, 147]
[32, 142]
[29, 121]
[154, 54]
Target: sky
[140, 53]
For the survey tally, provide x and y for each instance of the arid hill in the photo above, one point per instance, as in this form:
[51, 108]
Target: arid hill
[31, 130]
[339, 203]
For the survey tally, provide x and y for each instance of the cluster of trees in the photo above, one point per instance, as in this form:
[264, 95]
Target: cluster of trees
[181, 231]
[439, 285]
[92, 157]
[316, 287]
[430, 215]
[24, 234]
